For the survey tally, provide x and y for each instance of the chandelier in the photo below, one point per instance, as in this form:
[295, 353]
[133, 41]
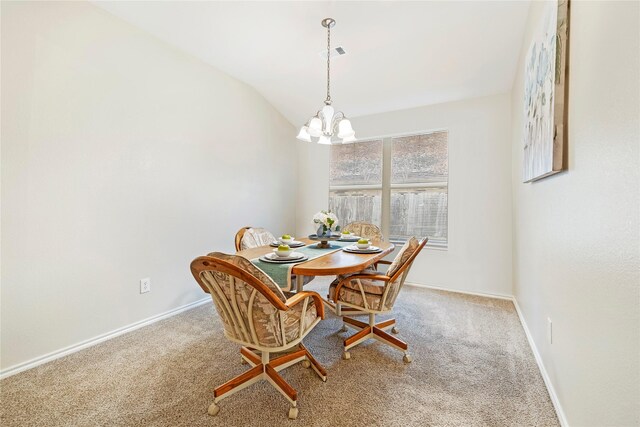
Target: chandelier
[327, 124]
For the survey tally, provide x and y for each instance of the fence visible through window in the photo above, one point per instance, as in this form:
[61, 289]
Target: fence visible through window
[398, 183]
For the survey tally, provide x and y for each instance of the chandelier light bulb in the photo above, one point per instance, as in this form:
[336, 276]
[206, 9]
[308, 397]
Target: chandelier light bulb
[315, 127]
[348, 139]
[344, 129]
[324, 140]
[304, 134]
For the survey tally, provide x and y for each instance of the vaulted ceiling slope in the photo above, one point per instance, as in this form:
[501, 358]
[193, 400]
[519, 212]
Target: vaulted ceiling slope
[399, 54]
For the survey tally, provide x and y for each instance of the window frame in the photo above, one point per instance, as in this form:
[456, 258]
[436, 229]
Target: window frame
[387, 186]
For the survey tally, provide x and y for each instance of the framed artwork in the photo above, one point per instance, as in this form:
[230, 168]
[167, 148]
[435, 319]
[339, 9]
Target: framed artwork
[545, 94]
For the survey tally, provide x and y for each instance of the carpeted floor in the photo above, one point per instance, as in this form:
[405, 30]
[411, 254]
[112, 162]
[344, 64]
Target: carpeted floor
[472, 366]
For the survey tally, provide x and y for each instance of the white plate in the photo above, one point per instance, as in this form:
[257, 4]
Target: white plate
[292, 256]
[369, 250]
[273, 258]
[349, 238]
[294, 244]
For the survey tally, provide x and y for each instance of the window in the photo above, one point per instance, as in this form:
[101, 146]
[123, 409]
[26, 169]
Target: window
[355, 182]
[398, 183]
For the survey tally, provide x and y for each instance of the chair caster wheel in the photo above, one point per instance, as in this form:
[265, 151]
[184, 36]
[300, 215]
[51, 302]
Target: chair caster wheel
[394, 330]
[406, 358]
[293, 413]
[346, 355]
[306, 364]
[344, 328]
[213, 409]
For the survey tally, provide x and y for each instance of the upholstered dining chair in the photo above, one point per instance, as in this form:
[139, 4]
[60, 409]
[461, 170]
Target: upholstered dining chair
[372, 292]
[256, 315]
[364, 229]
[252, 237]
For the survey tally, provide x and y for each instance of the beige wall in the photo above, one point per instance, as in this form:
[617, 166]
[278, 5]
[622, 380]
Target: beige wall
[122, 158]
[479, 255]
[576, 253]
[120, 155]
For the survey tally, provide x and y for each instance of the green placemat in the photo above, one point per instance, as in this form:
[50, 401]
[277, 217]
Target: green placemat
[281, 273]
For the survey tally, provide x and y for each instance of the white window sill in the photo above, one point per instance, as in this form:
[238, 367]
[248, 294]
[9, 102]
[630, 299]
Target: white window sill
[436, 246]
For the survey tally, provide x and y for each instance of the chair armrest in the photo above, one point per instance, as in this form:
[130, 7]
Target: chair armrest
[303, 295]
[380, 277]
[382, 261]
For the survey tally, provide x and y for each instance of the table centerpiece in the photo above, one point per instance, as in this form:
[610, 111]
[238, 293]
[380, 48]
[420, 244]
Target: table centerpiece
[328, 228]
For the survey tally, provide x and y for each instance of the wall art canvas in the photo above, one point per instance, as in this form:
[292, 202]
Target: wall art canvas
[545, 91]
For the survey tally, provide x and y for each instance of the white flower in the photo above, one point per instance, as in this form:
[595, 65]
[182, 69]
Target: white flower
[333, 217]
[319, 218]
[326, 218]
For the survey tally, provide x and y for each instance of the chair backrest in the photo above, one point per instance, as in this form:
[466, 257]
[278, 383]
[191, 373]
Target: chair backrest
[399, 269]
[365, 229]
[252, 237]
[246, 299]
[239, 236]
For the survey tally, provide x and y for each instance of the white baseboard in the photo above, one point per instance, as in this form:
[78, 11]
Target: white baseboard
[20, 367]
[545, 376]
[459, 291]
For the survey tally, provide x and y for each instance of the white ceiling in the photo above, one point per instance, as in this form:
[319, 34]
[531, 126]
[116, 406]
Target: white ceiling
[399, 54]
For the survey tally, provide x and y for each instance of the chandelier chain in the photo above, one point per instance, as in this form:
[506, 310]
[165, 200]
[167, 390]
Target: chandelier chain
[328, 100]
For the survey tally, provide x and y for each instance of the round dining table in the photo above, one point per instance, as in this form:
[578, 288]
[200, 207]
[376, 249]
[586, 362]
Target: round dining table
[332, 263]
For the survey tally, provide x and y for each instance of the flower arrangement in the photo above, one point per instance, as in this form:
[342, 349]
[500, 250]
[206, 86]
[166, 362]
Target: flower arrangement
[326, 221]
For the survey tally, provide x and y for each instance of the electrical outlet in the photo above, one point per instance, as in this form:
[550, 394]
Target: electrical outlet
[145, 285]
[549, 330]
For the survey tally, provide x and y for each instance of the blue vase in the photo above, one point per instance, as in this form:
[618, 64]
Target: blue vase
[320, 232]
